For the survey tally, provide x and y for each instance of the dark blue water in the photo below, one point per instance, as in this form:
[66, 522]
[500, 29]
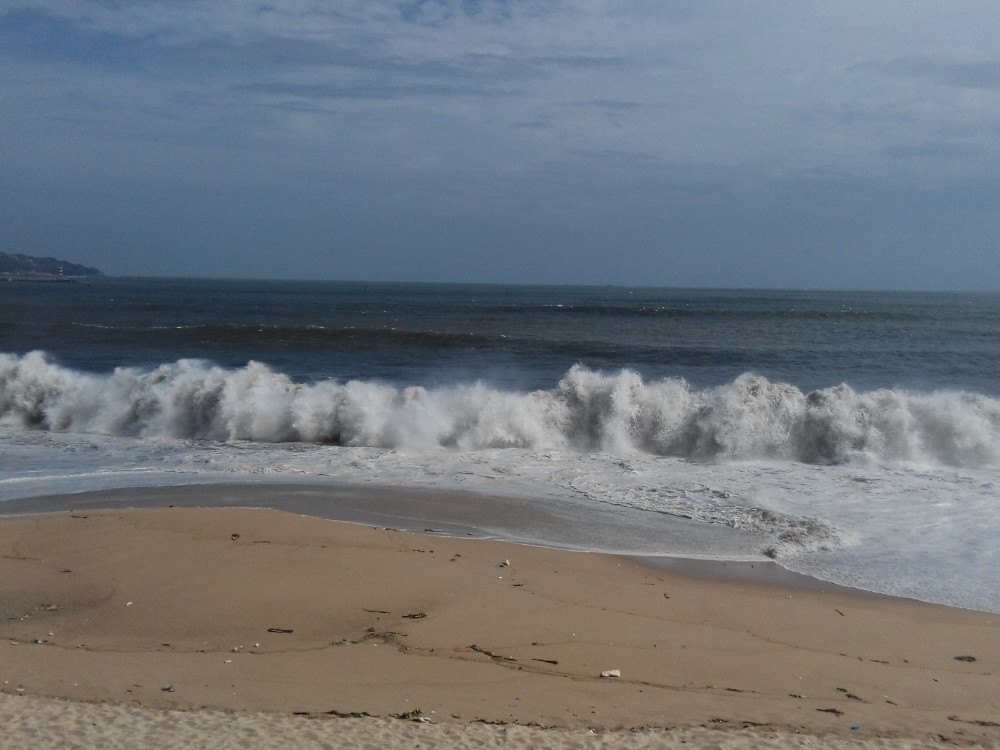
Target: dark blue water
[514, 337]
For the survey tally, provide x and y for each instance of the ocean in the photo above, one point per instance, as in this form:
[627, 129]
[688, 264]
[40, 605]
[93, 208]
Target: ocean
[853, 437]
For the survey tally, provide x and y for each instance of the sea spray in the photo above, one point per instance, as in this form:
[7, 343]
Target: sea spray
[748, 418]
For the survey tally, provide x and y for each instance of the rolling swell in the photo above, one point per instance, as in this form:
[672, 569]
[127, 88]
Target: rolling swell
[750, 417]
[737, 313]
[227, 336]
[236, 334]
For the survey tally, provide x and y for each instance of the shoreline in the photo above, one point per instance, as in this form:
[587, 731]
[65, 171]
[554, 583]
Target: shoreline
[438, 512]
[251, 610]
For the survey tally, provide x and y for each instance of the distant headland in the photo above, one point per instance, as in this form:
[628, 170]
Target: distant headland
[28, 268]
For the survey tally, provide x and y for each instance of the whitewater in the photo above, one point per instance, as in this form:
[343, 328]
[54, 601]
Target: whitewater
[885, 489]
[750, 418]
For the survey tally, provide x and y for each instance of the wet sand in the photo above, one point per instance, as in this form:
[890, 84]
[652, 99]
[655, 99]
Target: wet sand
[553, 523]
[257, 618]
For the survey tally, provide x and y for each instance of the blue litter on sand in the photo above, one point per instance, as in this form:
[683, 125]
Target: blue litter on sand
[856, 727]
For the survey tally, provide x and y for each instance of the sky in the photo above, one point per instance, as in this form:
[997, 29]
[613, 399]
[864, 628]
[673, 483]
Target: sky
[796, 144]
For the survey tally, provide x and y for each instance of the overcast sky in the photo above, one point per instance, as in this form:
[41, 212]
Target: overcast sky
[790, 144]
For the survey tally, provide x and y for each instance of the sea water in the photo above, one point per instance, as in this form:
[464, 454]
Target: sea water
[851, 436]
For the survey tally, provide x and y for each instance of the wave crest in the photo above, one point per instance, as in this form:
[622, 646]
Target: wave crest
[749, 418]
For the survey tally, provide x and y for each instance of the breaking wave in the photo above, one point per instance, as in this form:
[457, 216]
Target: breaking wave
[748, 418]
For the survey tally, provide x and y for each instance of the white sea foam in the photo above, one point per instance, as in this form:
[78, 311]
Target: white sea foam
[750, 418]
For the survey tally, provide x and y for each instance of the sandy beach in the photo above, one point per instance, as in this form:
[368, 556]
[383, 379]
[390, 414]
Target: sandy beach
[254, 628]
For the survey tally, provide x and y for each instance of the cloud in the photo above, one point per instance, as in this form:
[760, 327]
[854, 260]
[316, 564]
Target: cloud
[368, 90]
[715, 125]
[37, 35]
[613, 105]
[984, 74]
[937, 150]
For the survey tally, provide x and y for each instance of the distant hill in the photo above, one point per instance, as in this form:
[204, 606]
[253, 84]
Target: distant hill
[28, 266]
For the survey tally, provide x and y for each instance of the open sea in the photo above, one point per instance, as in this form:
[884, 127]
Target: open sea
[854, 437]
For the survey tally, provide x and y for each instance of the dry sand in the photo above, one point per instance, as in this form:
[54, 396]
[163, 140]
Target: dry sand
[281, 623]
